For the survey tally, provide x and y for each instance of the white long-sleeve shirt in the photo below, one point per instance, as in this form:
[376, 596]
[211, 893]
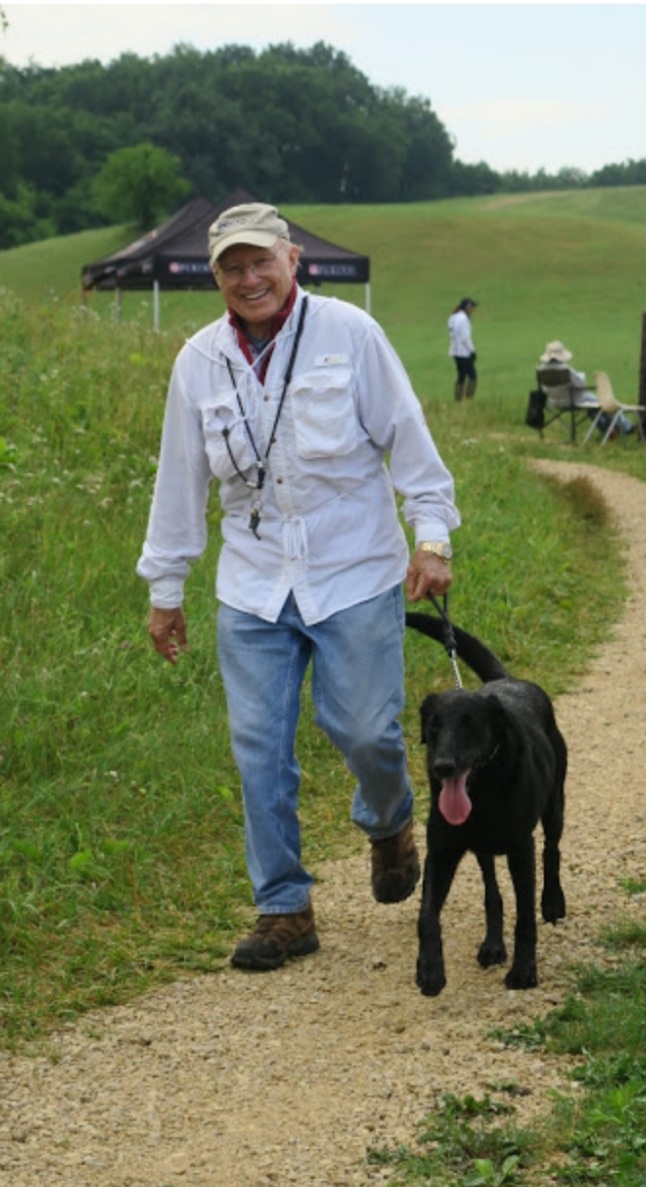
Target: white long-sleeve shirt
[329, 529]
[460, 337]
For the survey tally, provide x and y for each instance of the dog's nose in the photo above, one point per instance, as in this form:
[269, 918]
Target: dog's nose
[444, 768]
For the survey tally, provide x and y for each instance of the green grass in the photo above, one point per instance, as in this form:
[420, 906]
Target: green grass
[121, 851]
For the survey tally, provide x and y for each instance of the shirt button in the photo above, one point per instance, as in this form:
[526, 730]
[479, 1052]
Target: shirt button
[279, 480]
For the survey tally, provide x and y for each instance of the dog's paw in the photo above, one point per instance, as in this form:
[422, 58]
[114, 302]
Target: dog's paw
[553, 905]
[522, 978]
[430, 981]
[490, 953]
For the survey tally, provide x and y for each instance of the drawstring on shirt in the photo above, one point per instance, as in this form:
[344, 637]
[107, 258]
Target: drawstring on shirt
[295, 539]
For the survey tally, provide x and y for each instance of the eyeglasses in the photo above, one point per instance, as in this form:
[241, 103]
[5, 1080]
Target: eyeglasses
[261, 266]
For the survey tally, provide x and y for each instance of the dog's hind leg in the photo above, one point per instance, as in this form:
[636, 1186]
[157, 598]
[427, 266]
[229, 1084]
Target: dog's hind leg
[522, 867]
[492, 949]
[552, 897]
[438, 876]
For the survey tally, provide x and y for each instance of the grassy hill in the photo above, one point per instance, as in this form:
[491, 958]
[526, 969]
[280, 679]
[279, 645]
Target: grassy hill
[566, 265]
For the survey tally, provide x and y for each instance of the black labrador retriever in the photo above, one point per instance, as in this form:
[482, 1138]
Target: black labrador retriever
[496, 763]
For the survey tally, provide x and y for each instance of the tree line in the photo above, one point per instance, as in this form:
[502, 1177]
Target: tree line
[297, 125]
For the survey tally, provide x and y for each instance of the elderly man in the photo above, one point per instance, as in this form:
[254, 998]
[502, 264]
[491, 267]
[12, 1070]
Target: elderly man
[293, 402]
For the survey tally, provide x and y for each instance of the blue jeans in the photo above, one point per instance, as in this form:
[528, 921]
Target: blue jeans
[358, 692]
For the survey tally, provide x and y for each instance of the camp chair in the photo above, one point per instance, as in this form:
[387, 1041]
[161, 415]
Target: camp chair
[562, 397]
[613, 408]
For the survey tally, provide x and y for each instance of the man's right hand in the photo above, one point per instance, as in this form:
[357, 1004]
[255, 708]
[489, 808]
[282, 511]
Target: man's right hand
[167, 630]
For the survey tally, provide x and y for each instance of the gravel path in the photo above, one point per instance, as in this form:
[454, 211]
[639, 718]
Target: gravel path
[233, 1080]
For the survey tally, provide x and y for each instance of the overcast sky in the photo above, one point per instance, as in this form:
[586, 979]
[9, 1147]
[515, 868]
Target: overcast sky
[520, 86]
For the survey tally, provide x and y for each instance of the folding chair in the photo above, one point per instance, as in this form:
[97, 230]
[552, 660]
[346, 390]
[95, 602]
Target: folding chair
[563, 398]
[613, 409]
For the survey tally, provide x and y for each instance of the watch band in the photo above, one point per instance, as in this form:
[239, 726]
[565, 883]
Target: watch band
[441, 549]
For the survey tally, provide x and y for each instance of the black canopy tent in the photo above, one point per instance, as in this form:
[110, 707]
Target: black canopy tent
[175, 256]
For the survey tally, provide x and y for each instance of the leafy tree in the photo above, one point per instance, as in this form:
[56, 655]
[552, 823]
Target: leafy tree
[627, 173]
[21, 221]
[474, 179]
[128, 140]
[139, 184]
[427, 148]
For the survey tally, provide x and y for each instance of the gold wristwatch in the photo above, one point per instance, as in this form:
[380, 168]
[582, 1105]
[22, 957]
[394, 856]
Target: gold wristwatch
[443, 549]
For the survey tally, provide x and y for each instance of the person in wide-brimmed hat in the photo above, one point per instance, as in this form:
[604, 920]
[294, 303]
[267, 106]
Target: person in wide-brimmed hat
[556, 352]
[557, 355]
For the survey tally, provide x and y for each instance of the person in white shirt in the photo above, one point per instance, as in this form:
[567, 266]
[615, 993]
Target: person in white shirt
[575, 387]
[557, 357]
[300, 409]
[462, 350]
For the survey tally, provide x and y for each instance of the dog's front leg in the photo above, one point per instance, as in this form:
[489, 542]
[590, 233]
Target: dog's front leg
[438, 876]
[522, 867]
[492, 949]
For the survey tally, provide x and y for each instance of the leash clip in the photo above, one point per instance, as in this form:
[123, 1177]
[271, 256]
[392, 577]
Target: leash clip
[449, 637]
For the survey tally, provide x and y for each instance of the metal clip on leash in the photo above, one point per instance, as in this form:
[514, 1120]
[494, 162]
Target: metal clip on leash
[449, 637]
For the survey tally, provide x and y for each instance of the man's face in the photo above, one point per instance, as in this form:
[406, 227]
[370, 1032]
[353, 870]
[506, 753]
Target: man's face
[256, 281]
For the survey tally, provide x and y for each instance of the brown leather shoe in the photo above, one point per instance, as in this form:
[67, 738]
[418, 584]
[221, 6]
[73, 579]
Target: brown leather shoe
[395, 866]
[277, 937]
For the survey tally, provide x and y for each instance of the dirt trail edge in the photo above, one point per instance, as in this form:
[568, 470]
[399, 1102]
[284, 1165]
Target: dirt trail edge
[290, 1078]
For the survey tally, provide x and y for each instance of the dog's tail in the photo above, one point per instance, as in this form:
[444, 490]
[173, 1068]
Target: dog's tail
[475, 654]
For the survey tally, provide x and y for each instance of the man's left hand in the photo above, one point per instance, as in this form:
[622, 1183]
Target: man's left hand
[427, 574]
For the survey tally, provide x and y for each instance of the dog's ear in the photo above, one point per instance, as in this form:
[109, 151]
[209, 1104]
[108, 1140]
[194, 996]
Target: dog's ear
[425, 710]
[501, 720]
[508, 725]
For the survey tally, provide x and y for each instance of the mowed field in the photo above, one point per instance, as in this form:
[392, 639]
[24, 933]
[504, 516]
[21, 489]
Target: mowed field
[566, 265]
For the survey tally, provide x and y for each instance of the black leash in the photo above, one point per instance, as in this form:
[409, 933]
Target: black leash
[261, 469]
[449, 637]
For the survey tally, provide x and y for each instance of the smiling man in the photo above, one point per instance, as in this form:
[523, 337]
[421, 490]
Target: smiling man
[301, 410]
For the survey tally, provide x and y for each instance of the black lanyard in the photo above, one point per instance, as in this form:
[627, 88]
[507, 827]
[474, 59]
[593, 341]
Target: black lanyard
[254, 518]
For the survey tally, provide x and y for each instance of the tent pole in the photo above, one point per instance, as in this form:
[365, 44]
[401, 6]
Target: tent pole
[156, 304]
[367, 296]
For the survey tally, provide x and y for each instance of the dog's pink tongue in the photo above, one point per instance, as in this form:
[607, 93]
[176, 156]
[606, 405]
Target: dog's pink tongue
[454, 803]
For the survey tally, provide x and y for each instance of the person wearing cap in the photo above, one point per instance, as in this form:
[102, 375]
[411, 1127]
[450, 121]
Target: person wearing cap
[557, 356]
[299, 408]
[462, 350]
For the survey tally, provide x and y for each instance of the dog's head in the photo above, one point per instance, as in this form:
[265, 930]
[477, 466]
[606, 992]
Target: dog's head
[462, 731]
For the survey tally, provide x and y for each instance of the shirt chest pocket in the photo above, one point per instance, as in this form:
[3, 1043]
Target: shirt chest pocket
[325, 420]
[228, 438]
